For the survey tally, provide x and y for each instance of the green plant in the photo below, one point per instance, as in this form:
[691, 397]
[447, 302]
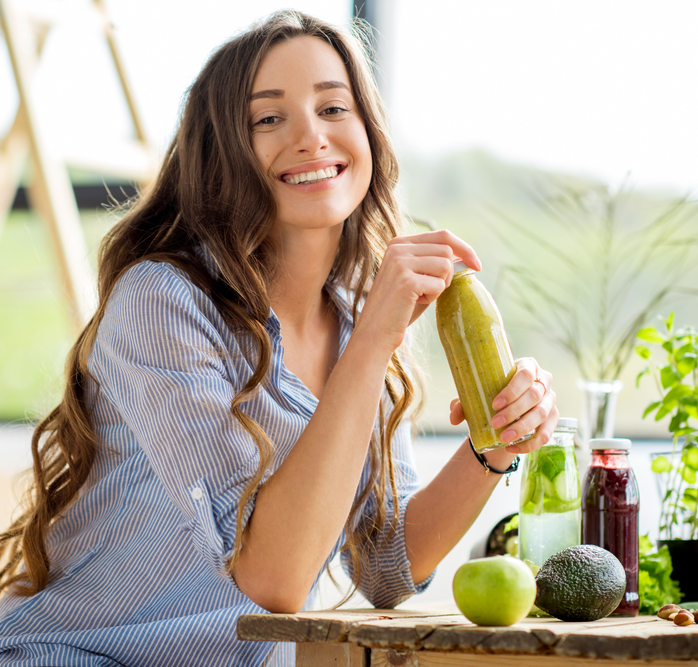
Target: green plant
[512, 524]
[656, 587]
[677, 383]
[595, 266]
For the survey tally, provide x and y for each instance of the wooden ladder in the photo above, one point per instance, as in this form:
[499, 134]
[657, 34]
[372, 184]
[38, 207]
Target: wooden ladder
[26, 24]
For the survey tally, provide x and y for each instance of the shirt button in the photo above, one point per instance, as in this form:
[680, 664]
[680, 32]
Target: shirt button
[197, 493]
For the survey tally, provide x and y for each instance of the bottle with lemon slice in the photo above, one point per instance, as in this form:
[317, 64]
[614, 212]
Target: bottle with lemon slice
[550, 507]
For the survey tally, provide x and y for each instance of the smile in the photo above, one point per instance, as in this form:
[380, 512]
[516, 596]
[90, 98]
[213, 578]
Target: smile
[311, 176]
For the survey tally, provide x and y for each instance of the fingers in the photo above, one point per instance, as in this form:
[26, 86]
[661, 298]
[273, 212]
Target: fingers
[457, 415]
[526, 403]
[415, 270]
[405, 263]
[543, 434]
[421, 266]
[527, 373]
[532, 408]
[442, 237]
[428, 265]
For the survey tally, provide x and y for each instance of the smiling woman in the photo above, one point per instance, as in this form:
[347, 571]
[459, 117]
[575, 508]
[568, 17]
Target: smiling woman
[238, 411]
[304, 120]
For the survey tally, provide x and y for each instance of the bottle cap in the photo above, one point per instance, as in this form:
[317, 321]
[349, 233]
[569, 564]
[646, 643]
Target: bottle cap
[567, 422]
[460, 265]
[609, 443]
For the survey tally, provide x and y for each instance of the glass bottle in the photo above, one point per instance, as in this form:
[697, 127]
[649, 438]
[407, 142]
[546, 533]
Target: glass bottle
[550, 514]
[610, 512]
[472, 334]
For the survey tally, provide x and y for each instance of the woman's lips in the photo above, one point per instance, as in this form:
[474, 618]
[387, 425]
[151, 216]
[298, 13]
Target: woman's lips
[312, 171]
[305, 177]
[316, 185]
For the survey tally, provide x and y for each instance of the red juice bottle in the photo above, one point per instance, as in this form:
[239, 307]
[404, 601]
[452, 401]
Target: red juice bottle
[610, 512]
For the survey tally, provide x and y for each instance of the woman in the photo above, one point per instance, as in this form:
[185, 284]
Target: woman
[237, 412]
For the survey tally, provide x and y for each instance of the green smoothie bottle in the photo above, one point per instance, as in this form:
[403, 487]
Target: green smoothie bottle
[478, 352]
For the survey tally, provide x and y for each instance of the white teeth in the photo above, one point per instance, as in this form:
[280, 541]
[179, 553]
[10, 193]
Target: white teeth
[312, 176]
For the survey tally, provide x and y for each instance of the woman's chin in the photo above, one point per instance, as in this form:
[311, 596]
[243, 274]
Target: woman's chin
[329, 220]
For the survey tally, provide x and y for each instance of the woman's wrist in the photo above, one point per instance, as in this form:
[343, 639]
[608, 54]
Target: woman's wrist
[497, 460]
[370, 346]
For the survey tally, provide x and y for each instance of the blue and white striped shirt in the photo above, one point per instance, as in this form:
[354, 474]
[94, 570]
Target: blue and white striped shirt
[138, 561]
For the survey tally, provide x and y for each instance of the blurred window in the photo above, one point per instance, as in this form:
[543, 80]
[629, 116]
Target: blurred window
[493, 103]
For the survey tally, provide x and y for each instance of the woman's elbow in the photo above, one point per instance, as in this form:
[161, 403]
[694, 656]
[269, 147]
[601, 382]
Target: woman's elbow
[277, 597]
[276, 601]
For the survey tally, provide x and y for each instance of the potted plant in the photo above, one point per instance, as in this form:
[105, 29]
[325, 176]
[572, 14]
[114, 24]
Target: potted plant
[676, 377]
[590, 266]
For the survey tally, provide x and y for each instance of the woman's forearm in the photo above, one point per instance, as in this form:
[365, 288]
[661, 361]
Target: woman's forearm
[440, 514]
[302, 508]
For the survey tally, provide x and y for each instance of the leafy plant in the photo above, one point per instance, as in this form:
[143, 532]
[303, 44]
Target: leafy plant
[677, 384]
[604, 263]
[512, 524]
[656, 587]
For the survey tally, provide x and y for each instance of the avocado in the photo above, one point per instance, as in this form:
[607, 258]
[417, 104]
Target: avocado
[580, 583]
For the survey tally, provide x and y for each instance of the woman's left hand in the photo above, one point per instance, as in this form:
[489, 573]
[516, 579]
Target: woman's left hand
[525, 404]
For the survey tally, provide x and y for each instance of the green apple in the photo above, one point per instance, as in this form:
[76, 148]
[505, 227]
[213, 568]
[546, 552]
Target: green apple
[499, 590]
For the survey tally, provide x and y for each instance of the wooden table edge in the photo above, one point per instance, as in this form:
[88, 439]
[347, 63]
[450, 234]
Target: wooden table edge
[645, 638]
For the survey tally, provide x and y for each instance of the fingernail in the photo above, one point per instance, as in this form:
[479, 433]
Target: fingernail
[499, 403]
[498, 421]
[508, 435]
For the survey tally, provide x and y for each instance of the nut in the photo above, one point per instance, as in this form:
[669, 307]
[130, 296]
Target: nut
[684, 617]
[668, 609]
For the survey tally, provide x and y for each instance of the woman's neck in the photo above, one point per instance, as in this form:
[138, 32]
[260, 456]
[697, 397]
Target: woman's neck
[304, 263]
[309, 322]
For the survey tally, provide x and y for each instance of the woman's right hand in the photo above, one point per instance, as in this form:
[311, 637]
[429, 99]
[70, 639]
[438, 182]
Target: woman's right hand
[414, 272]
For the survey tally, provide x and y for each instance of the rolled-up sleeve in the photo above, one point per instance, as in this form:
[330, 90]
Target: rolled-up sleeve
[386, 578]
[161, 362]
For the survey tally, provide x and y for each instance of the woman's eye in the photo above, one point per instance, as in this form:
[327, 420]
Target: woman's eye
[333, 111]
[267, 120]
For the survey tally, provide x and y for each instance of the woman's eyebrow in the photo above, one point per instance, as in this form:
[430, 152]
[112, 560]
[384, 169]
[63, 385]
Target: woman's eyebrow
[328, 85]
[276, 93]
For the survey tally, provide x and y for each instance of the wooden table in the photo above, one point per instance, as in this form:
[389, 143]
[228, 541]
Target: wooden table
[441, 637]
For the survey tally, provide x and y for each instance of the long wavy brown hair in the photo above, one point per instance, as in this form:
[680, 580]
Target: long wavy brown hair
[211, 191]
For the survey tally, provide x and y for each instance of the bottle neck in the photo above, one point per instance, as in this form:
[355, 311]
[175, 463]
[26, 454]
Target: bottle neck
[610, 458]
[561, 438]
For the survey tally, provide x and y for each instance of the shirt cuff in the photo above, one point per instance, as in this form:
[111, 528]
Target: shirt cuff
[216, 518]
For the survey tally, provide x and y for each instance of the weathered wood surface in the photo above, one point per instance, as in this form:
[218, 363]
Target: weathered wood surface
[392, 658]
[314, 626]
[641, 638]
[337, 655]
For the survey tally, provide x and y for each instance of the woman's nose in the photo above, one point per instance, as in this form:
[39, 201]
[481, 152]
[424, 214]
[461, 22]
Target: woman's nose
[310, 136]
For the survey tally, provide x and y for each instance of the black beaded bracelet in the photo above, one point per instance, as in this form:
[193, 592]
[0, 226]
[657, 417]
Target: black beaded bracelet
[488, 468]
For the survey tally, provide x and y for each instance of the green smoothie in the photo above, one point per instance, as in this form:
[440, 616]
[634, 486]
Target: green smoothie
[478, 352]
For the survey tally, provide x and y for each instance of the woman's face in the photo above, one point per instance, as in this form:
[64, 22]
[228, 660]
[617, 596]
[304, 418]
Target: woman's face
[308, 134]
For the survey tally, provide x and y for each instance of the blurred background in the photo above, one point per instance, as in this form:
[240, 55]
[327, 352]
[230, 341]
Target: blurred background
[559, 139]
